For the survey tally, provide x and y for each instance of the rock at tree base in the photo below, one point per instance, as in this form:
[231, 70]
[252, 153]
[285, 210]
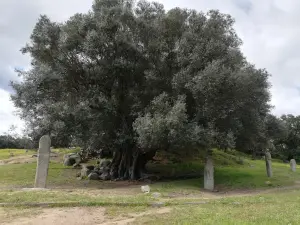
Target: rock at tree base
[71, 159]
[93, 176]
[90, 167]
[293, 165]
[209, 174]
[145, 189]
[105, 176]
[268, 159]
[104, 163]
[43, 162]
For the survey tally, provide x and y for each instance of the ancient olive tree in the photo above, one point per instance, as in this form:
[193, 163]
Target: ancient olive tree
[137, 79]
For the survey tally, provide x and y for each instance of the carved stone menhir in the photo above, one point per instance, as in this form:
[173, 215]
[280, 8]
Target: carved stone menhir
[268, 159]
[293, 165]
[43, 162]
[209, 174]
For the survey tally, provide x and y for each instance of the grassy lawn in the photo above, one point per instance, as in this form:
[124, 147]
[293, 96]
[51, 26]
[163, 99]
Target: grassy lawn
[23, 175]
[230, 174]
[66, 150]
[233, 172]
[78, 197]
[276, 208]
[6, 153]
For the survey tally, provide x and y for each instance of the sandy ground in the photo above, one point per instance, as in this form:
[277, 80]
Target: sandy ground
[18, 160]
[78, 216]
[27, 159]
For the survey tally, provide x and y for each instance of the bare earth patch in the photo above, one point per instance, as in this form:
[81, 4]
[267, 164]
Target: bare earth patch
[18, 160]
[79, 216]
[62, 216]
[27, 159]
[134, 216]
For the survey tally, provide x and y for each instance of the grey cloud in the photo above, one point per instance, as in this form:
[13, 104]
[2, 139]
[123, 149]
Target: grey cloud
[17, 19]
[244, 5]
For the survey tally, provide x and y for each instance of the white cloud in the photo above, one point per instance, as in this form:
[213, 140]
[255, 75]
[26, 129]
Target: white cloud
[269, 30]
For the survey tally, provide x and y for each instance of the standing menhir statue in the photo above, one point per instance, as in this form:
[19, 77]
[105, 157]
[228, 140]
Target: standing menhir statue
[268, 158]
[293, 165]
[43, 162]
[269, 164]
[209, 172]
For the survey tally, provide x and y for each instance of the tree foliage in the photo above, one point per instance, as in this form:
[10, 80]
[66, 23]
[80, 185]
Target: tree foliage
[137, 79]
[11, 142]
[287, 139]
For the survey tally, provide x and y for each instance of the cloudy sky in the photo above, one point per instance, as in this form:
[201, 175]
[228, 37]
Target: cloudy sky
[269, 29]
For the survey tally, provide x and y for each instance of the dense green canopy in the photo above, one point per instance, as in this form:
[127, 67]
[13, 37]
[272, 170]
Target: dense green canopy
[137, 79]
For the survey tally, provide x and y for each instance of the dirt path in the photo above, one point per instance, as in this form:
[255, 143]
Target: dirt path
[79, 216]
[97, 215]
[18, 160]
[22, 159]
[62, 216]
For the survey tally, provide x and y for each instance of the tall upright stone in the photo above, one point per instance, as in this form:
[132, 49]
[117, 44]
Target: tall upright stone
[268, 159]
[209, 173]
[43, 162]
[293, 165]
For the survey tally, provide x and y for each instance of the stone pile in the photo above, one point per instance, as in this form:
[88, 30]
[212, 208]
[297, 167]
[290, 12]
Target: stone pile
[72, 159]
[100, 172]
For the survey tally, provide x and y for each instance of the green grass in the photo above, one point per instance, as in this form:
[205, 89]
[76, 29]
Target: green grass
[5, 153]
[229, 174]
[233, 171]
[275, 208]
[255, 177]
[63, 196]
[23, 175]
[279, 207]
[66, 150]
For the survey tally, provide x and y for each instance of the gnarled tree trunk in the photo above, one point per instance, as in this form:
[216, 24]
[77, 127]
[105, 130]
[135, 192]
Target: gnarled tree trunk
[130, 164]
